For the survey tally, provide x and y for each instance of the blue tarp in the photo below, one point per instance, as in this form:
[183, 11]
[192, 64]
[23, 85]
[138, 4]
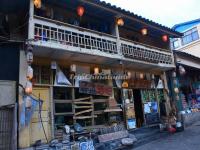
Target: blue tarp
[27, 113]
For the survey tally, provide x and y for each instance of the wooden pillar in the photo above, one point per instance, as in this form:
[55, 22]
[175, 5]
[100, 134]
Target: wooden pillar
[24, 132]
[118, 39]
[31, 23]
[52, 106]
[166, 92]
[73, 105]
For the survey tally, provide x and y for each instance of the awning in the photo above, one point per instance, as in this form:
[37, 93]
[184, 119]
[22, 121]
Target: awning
[187, 59]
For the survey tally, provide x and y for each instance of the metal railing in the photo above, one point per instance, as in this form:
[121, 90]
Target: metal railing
[48, 30]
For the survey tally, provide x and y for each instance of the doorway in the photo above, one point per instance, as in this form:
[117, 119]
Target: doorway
[138, 108]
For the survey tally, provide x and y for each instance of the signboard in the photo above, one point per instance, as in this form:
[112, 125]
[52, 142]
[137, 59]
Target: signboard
[152, 118]
[146, 84]
[94, 88]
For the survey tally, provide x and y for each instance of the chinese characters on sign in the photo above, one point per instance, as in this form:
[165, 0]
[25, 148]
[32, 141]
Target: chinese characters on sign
[95, 88]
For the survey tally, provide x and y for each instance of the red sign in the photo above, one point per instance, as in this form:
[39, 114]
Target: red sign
[95, 88]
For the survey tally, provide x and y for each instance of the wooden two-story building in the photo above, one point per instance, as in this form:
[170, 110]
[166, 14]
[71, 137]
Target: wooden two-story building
[91, 37]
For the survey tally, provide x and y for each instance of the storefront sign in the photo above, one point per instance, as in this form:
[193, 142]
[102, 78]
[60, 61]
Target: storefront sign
[146, 84]
[94, 88]
[152, 118]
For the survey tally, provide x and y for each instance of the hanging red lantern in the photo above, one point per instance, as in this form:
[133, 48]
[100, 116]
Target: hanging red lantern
[37, 3]
[144, 31]
[165, 38]
[80, 10]
[120, 21]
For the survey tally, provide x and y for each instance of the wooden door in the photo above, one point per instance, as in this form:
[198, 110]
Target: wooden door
[37, 132]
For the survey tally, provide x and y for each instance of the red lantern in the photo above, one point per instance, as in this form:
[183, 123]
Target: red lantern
[37, 3]
[120, 22]
[144, 31]
[80, 10]
[165, 38]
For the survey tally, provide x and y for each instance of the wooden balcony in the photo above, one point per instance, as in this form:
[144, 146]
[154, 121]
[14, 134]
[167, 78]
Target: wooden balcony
[58, 35]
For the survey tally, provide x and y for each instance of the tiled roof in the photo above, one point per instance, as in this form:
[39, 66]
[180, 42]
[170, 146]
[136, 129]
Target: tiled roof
[131, 14]
[185, 23]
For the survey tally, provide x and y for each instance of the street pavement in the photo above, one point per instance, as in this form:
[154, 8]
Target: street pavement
[186, 140]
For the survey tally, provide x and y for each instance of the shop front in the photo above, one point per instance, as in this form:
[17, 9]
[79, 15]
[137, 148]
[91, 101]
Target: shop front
[91, 69]
[186, 79]
[95, 95]
[185, 84]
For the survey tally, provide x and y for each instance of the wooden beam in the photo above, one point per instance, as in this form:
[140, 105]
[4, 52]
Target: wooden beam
[64, 114]
[83, 112]
[81, 99]
[113, 110]
[84, 117]
[83, 103]
[79, 107]
[100, 100]
[99, 112]
[62, 101]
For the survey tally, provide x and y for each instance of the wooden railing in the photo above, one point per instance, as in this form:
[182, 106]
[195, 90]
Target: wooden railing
[74, 36]
[48, 30]
[145, 53]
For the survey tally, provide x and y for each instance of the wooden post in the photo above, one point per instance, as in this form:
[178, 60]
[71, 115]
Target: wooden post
[73, 105]
[52, 112]
[166, 91]
[118, 39]
[91, 99]
[31, 23]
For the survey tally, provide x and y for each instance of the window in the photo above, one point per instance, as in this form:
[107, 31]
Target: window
[42, 74]
[189, 36]
[176, 44]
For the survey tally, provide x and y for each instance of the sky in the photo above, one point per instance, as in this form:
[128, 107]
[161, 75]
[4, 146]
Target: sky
[165, 12]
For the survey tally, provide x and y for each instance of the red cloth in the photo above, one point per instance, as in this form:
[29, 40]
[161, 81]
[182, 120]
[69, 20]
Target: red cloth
[172, 130]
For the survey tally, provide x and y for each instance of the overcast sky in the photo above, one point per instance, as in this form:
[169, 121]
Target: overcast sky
[166, 12]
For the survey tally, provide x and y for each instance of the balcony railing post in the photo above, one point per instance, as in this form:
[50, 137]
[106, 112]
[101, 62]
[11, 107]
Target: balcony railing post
[31, 23]
[118, 40]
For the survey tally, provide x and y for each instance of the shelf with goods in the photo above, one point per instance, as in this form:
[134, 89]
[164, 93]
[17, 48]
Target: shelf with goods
[63, 97]
[63, 112]
[129, 108]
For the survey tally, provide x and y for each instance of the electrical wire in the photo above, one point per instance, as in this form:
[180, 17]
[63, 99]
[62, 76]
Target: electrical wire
[40, 109]
[7, 40]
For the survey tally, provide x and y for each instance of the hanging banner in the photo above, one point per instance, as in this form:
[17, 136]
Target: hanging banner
[94, 88]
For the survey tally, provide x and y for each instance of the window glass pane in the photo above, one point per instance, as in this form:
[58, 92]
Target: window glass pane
[63, 107]
[176, 44]
[184, 40]
[195, 36]
[61, 93]
[45, 75]
[190, 36]
[36, 74]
